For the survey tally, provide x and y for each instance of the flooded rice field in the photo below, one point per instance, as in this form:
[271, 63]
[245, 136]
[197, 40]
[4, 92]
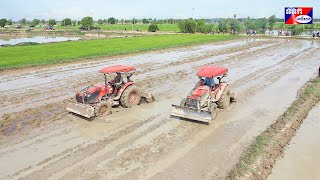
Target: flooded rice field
[36, 39]
[43, 140]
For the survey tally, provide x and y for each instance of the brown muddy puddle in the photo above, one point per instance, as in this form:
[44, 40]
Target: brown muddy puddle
[301, 157]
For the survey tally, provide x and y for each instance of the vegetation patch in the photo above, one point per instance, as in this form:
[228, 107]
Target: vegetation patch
[258, 160]
[26, 56]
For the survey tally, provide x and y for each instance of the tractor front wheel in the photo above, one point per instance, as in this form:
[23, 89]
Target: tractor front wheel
[213, 111]
[103, 108]
[131, 96]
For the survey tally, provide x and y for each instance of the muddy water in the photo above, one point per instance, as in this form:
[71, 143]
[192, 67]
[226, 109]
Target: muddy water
[144, 141]
[38, 84]
[301, 157]
[37, 39]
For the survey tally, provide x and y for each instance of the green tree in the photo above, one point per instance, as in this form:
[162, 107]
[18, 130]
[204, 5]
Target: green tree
[153, 28]
[272, 21]
[201, 27]
[282, 26]
[145, 21]
[23, 21]
[235, 24]
[35, 22]
[100, 21]
[264, 23]
[204, 28]
[9, 22]
[43, 21]
[134, 21]
[187, 26]
[111, 20]
[225, 25]
[74, 22]
[52, 22]
[66, 22]
[87, 22]
[3, 22]
[296, 29]
[249, 24]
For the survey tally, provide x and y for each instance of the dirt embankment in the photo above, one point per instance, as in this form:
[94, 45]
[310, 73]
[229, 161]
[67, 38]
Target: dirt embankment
[258, 160]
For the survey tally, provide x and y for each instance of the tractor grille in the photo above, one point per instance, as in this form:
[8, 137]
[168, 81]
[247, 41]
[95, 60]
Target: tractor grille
[91, 98]
[193, 103]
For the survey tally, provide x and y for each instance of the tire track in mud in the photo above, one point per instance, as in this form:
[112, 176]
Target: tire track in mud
[129, 154]
[136, 152]
[18, 123]
[137, 130]
[67, 158]
[57, 91]
[142, 153]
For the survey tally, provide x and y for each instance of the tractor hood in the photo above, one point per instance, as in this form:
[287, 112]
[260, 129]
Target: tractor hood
[198, 92]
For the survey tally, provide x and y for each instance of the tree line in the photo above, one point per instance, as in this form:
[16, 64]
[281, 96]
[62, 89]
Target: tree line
[70, 22]
[224, 25]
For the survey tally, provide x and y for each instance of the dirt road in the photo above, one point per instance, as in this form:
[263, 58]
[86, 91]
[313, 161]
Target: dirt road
[42, 140]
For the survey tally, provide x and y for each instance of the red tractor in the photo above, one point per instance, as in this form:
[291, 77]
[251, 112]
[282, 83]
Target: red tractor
[206, 96]
[98, 100]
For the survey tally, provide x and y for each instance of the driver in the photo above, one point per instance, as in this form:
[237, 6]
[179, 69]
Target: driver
[118, 81]
[209, 82]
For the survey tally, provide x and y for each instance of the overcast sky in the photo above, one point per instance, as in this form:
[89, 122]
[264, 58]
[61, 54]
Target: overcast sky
[76, 9]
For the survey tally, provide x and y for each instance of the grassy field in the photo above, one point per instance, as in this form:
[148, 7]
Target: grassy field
[26, 56]
[130, 27]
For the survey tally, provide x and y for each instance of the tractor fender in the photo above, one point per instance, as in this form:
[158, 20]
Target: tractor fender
[122, 89]
[221, 89]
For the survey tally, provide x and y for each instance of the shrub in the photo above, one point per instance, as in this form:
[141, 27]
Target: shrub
[153, 28]
[187, 26]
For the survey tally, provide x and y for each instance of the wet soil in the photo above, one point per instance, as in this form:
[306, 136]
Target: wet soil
[258, 160]
[301, 156]
[39, 139]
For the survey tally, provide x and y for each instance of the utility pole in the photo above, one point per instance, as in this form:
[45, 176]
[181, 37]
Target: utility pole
[132, 23]
[193, 13]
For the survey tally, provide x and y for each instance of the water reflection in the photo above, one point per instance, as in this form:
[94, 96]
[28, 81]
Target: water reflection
[37, 39]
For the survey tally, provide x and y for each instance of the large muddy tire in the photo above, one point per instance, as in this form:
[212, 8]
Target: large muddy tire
[213, 111]
[183, 102]
[103, 108]
[131, 96]
[224, 100]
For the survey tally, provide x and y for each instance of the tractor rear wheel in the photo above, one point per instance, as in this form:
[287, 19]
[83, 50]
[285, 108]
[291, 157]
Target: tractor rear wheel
[224, 100]
[103, 108]
[131, 96]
